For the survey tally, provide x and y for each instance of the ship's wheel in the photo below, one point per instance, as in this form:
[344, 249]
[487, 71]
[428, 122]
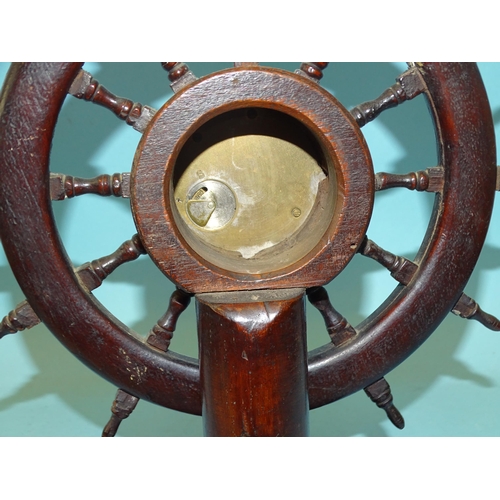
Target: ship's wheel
[251, 189]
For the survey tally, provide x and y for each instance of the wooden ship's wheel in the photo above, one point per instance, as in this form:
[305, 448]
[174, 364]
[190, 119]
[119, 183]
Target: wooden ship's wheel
[251, 189]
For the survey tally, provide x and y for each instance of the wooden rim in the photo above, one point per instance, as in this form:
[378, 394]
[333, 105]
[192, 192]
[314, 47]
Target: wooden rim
[451, 247]
[30, 102]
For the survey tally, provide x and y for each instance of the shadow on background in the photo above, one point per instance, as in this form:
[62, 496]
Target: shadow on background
[85, 129]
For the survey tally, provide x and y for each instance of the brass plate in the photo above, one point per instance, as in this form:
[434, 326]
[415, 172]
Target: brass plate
[247, 195]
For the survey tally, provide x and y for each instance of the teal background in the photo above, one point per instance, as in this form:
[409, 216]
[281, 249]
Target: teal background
[449, 387]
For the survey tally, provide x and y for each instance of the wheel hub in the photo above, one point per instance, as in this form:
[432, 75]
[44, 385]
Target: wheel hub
[252, 177]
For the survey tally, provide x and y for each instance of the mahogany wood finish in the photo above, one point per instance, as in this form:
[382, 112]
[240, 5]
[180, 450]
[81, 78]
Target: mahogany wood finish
[179, 74]
[175, 70]
[430, 180]
[253, 362]
[431, 286]
[380, 393]
[410, 85]
[338, 328]
[448, 253]
[93, 273]
[468, 308]
[66, 308]
[313, 70]
[22, 317]
[330, 124]
[85, 87]
[123, 405]
[161, 334]
[403, 270]
[66, 186]
[91, 276]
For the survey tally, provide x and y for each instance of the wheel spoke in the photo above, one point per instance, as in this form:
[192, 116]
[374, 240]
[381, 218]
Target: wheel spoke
[123, 405]
[431, 180]
[338, 327]
[312, 70]
[402, 270]
[179, 74]
[161, 334]
[468, 308]
[87, 88]
[381, 342]
[409, 85]
[91, 274]
[380, 393]
[66, 186]
[22, 317]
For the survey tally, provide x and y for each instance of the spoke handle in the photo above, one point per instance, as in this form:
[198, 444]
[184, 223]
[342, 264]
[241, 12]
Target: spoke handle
[66, 186]
[86, 87]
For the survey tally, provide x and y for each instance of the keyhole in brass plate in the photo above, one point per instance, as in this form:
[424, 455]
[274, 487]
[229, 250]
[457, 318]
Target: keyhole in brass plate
[210, 204]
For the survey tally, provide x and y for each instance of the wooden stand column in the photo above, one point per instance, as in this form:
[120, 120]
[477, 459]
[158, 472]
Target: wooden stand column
[253, 362]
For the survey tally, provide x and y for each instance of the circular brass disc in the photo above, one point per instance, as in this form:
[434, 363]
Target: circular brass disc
[247, 195]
